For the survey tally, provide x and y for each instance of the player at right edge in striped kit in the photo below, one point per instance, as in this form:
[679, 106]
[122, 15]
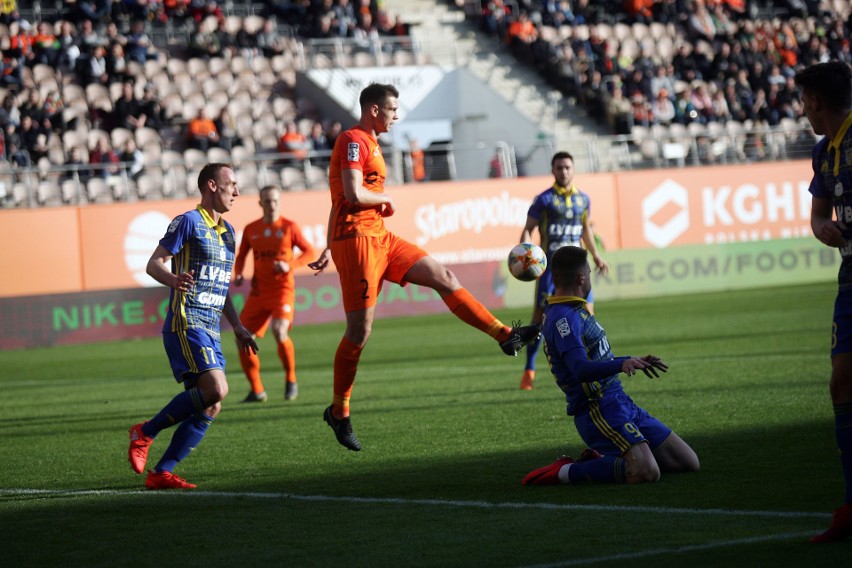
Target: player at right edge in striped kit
[827, 99]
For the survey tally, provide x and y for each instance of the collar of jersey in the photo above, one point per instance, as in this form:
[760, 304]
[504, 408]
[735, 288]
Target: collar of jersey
[565, 300]
[565, 190]
[211, 224]
[835, 142]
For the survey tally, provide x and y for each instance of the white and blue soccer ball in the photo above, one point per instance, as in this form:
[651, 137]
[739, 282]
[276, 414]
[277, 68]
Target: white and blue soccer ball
[527, 262]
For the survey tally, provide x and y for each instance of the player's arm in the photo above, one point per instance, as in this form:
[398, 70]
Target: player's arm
[823, 225]
[158, 269]
[306, 250]
[589, 240]
[360, 196]
[322, 262]
[245, 341]
[526, 234]
[240, 262]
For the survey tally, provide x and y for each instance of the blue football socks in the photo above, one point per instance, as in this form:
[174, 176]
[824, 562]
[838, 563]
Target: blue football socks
[188, 435]
[608, 469]
[175, 412]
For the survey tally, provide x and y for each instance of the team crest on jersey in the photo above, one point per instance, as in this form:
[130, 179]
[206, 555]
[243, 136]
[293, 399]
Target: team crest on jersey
[354, 151]
[173, 225]
[279, 234]
[563, 328]
[376, 151]
[267, 232]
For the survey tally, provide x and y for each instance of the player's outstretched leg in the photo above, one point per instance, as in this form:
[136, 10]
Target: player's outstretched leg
[520, 336]
[342, 428]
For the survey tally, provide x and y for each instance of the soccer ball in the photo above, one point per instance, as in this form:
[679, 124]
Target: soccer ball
[527, 262]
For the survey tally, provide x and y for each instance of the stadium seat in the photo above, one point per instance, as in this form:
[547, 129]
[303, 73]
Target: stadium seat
[97, 191]
[293, 179]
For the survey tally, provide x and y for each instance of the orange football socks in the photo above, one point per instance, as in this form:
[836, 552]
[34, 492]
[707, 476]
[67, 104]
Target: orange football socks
[468, 309]
[345, 367]
[287, 354]
[251, 367]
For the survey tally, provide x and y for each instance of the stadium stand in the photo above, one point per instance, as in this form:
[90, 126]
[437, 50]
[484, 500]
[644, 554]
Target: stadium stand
[727, 63]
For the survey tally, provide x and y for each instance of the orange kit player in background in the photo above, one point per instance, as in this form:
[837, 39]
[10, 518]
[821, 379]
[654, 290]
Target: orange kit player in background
[366, 254]
[273, 288]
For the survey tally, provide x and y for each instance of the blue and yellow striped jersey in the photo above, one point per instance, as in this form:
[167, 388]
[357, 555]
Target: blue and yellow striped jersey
[578, 352]
[207, 248]
[832, 165]
[560, 213]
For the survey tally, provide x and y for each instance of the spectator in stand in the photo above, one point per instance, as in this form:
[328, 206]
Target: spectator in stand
[75, 166]
[45, 45]
[702, 103]
[661, 81]
[662, 109]
[11, 75]
[293, 145]
[226, 126]
[133, 159]
[204, 43]
[641, 110]
[150, 109]
[685, 112]
[619, 112]
[92, 68]
[318, 142]
[736, 105]
[69, 49]
[16, 154]
[720, 105]
[760, 111]
[34, 138]
[21, 43]
[116, 64]
[9, 112]
[639, 10]
[101, 153]
[344, 19]
[112, 35]
[33, 107]
[227, 41]
[268, 40]
[685, 63]
[88, 37]
[495, 18]
[139, 47]
[201, 131]
[246, 42]
[127, 112]
[53, 111]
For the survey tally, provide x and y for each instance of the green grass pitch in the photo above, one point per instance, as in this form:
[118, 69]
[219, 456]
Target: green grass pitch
[447, 438]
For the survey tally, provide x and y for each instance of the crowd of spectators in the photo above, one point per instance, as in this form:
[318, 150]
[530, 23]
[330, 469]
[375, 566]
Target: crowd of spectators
[628, 62]
[661, 62]
[104, 50]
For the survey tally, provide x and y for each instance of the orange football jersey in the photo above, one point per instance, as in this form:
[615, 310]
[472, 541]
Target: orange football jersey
[268, 243]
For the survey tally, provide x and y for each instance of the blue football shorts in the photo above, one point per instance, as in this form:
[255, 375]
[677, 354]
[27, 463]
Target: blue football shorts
[192, 352]
[841, 326]
[614, 424]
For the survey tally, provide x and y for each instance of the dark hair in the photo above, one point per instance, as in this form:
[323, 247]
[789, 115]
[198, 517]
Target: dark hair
[377, 94]
[560, 156]
[566, 263]
[210, 172]
[269, 188]
[831, 82]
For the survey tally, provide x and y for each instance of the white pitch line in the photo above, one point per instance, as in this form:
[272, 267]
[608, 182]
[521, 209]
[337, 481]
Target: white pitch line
[673, 550]
[429, 502]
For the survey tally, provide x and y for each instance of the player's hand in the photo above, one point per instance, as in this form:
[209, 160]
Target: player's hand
[831, 233]
[184, 281]
[322, 262]
[245, 340]
[649, 364]
[601, 264]
[389, 209]
[239, 279]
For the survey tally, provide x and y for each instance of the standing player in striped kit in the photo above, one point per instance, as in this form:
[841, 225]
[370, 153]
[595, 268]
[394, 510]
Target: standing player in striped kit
[561, 215]
[200, 247]
[273, 288]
